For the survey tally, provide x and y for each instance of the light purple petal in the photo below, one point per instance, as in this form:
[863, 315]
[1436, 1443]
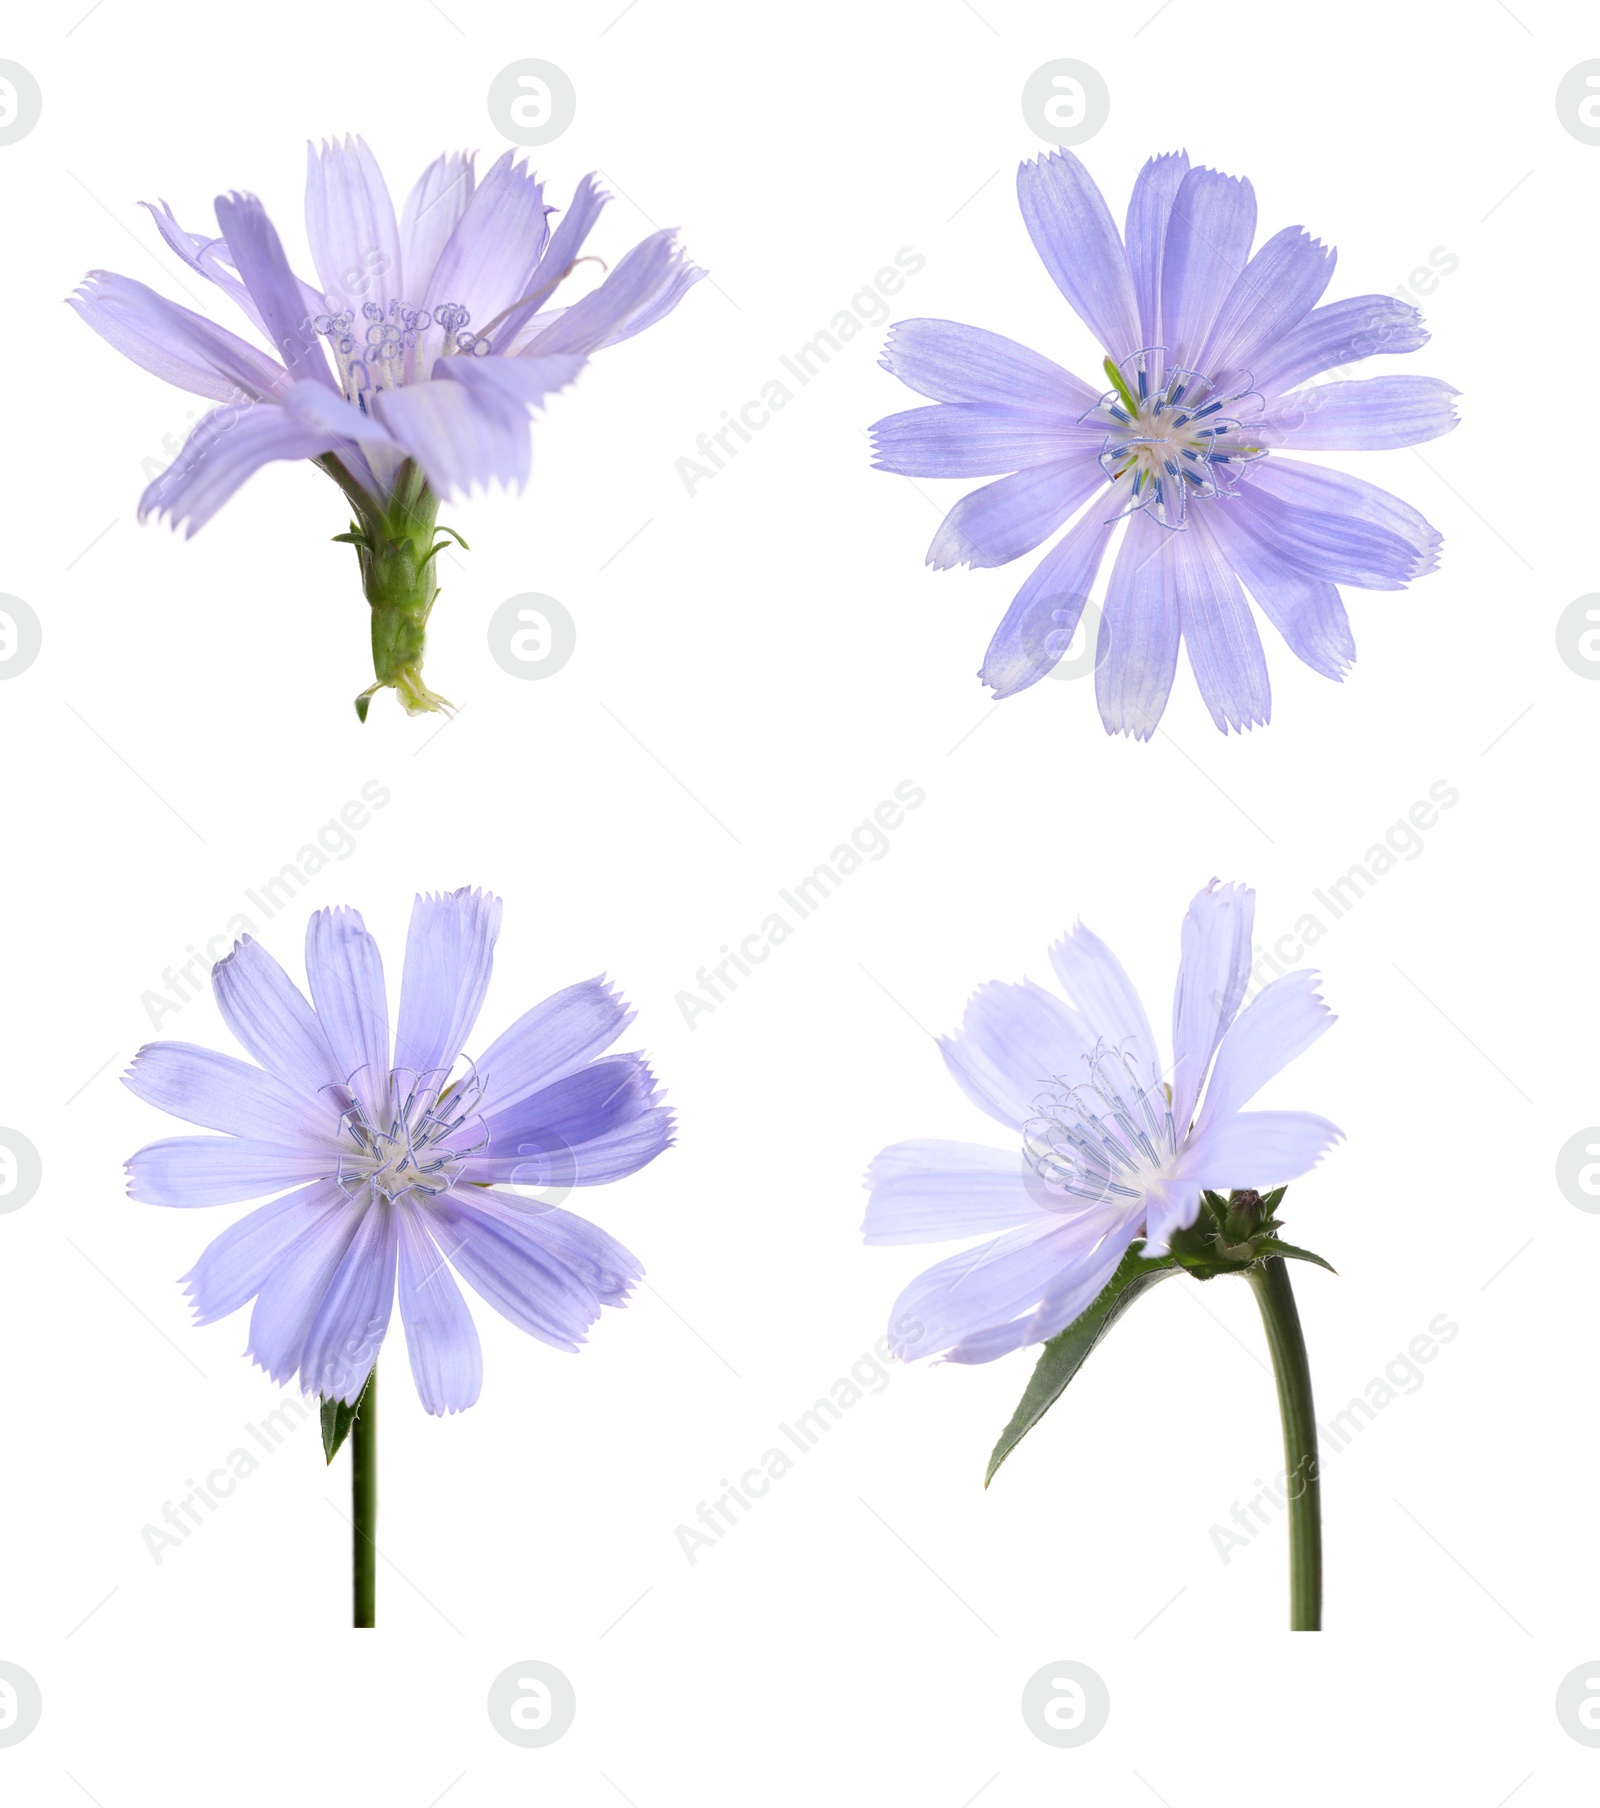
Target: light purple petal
[272, 1021]
[648, 282]
[1326, 524]
[1306, 611]
[352, 1316]
[468, 427]
[1341, 333]
[1149, 211]
[552, 1040]
[292, 1293]
[226, 447]
[207, 257]
[1137, 653]
[934, 1192]
[495, 247]
[1208, 245]
[1097, 985]
[1258, 1149]
[592, 1102]
[334, 418]
[441, 1339]
[355, 240]
[1170, 1205]
[596, 1257]
[494, 1246]
[219, 1093]
[1213, 971]
[526, 381]
[975, 439]
[521, 325]
[615, 1154]
[1375, 414]
[953, 363]
[1279, 1024]
[540, 1159]
[173, 343]
[430, 215]
[1077, 241]
[1011, 516]
[257, 254]
[1072, 1294]
[236, 1266]
[1219, 632]
[218, 1170]
[1275, 291]
[449, 957]
[1014, 1041]
[461, 437]
[346, 974]
[982, 1289]
[1044, 614]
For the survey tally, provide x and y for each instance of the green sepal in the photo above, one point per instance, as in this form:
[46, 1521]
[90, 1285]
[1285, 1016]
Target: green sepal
[1270, 1246]
[1067, 1352]
[353, 538]
[337, 1418]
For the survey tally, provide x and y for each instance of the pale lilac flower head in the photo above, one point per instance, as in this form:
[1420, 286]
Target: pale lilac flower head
[428, 335]
[1213, 354]
[397, 1149]
[1109, 1144]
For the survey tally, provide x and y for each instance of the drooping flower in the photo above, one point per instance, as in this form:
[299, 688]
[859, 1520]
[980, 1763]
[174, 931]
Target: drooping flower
[398, 1153]
[1107, 1150]
[407, 375]
[1211, 357]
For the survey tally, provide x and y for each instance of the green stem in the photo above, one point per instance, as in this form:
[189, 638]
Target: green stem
[1275, 1297]
[395, 546]
[364, 1503]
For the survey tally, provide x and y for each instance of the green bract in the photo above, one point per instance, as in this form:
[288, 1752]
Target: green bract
[1231, 1236]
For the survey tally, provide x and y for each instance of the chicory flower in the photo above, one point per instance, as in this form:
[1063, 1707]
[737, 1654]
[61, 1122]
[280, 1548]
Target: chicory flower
[1111, 1143]
[1114, 1180]
[398, 1150]
[407, 371]
[1212, 355]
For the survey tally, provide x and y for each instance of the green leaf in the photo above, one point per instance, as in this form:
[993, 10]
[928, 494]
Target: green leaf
[1270, 1246]
[337, 1418]
[1067, 1352]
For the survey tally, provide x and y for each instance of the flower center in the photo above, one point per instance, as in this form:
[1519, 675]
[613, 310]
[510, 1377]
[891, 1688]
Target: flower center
[390, 348]
[1169, 438]
[1101, 1138]
[423, 1148]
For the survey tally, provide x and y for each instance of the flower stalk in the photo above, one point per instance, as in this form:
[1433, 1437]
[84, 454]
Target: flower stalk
[364, 1505]
[1292, 1370]
[397, 550]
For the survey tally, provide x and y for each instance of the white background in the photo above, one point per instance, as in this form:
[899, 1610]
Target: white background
[756, 670]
